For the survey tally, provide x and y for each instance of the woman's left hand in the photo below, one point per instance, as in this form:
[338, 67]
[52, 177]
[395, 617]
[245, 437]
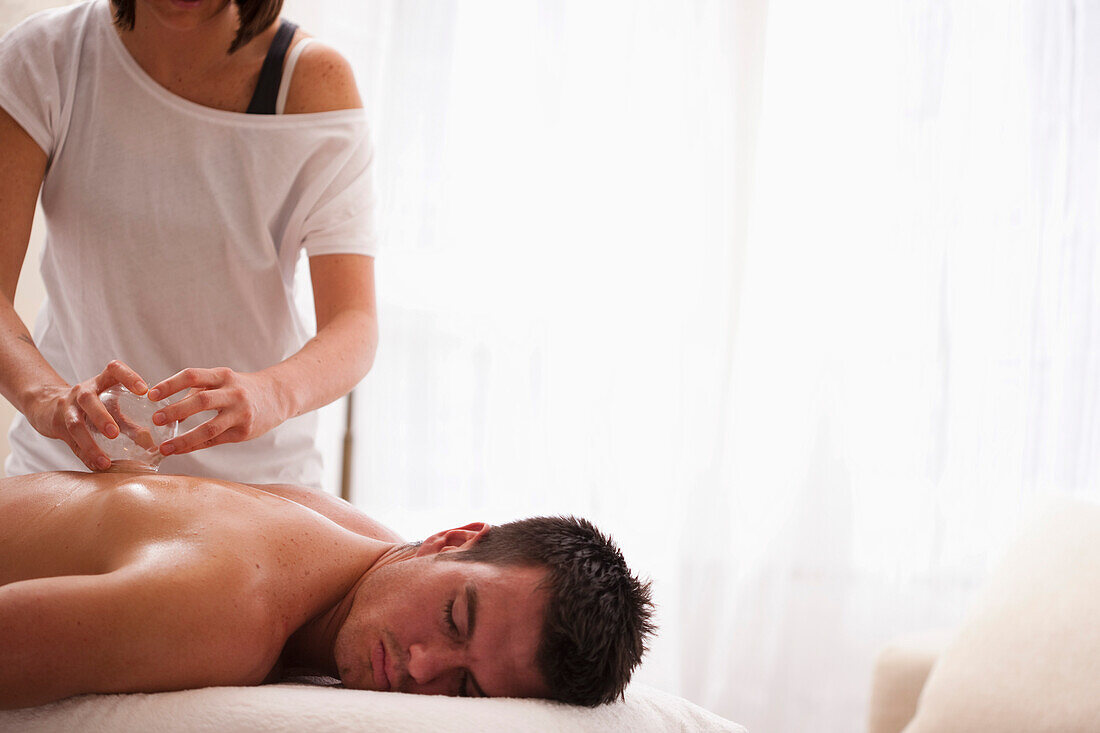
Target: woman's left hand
[248, 406]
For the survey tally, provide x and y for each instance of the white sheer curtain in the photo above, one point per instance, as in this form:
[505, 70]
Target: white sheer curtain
[917, 355]
[810, 359]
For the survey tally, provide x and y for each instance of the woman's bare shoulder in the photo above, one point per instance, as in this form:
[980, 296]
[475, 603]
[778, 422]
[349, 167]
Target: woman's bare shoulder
[323, 81]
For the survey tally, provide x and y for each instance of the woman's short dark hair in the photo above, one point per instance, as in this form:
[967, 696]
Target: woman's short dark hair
[256, 17]
[598, 617]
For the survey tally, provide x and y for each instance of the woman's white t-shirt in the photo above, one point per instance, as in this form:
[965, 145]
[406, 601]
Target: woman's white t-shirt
[174, 229]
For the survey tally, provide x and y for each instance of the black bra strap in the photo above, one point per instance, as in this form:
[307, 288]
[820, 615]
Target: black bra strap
[271, 74]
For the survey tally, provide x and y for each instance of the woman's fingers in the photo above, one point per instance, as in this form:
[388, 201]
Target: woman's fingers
[73, 414]
[119, 373]
[82, 442]
[200, 436]
[196, 402]
[87, 460]
[243, 403]
[86, 397]
[97, 412]
[191, 377]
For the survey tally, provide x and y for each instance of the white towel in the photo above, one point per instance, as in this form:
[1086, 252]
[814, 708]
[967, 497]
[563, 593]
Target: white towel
[294, 708]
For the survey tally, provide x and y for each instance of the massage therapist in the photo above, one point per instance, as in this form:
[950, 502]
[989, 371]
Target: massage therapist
[180, 184]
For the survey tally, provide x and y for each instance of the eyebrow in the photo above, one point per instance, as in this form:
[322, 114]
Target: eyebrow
[471, 622]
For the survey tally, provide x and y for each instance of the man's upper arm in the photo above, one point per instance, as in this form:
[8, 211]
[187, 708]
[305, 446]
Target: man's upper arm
[147, 627]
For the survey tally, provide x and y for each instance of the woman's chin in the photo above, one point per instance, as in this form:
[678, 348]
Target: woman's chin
[185, 15]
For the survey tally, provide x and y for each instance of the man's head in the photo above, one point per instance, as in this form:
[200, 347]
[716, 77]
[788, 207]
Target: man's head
[542, 607]
[598, 615]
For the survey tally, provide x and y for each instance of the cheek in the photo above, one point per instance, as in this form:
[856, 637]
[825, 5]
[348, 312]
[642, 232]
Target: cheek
[351, 653]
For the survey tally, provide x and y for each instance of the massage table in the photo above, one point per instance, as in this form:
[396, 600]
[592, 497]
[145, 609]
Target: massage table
[318, 706]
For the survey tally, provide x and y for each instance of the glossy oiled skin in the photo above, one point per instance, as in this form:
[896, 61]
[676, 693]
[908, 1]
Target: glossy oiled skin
[120, 582]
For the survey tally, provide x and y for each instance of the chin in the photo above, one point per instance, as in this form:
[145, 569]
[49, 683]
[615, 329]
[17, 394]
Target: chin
[180, 15]
[358, 679]
[355, 674]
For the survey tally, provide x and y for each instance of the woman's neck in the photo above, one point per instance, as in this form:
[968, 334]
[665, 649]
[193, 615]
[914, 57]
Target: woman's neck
[181, 47]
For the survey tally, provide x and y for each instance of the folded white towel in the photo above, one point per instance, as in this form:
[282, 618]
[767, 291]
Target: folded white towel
[295, 707]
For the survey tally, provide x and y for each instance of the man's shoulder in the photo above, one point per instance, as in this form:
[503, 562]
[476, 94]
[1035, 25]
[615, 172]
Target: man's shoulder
[334, 509]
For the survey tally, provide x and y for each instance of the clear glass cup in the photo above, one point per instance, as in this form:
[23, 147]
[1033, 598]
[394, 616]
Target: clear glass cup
[137, 447]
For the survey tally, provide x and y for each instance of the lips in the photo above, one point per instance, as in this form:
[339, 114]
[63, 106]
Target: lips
[378, 667]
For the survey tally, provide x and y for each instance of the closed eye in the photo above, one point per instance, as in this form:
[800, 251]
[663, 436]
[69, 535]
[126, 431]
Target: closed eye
[448, 611]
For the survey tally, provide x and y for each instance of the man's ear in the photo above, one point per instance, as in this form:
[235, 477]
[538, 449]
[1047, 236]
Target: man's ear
[461, 538]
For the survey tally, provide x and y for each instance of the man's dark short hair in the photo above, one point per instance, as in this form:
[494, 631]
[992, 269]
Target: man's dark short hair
[256, 17]
[598, 615]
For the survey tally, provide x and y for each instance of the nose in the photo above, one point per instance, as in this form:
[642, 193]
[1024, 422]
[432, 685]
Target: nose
[435, 669]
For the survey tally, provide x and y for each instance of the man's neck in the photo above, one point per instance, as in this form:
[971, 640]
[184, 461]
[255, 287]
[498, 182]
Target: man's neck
[312, 645]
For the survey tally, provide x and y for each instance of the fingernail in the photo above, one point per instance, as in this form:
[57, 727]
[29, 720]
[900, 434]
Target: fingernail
[167, 448]
[154, 395]
[158, 418]
[111, 432]
[141, 386]
[103, 463]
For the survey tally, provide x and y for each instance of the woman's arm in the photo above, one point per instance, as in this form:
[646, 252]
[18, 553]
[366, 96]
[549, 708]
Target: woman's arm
[27, 381]
[342, 352]
[330, 364]
[22, 167]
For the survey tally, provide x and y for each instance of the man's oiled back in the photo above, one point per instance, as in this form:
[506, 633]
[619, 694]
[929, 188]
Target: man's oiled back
[193, 582]
[69, 523]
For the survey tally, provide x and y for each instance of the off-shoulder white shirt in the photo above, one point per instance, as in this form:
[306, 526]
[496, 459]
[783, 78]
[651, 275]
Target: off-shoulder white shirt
[174, 229]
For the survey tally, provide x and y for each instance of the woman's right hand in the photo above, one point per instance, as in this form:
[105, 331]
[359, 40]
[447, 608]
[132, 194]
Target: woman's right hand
[59, 412]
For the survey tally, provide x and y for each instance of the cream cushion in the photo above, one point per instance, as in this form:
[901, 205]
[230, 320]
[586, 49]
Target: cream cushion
[1027, 657]
[901, 669]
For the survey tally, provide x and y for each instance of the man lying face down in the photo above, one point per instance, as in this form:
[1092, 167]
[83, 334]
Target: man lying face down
[144, 583]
